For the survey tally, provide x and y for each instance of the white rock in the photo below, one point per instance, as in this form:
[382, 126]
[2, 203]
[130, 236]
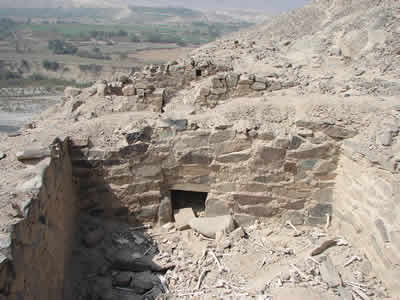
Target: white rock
[210, 226]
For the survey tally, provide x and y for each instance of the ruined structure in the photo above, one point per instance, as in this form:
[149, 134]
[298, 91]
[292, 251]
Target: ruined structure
[249, 128]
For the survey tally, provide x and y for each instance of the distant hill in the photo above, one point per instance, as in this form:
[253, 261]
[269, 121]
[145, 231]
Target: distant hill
[270, 6]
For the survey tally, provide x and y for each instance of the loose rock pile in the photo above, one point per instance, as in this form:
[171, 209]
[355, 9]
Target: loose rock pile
[261, 261]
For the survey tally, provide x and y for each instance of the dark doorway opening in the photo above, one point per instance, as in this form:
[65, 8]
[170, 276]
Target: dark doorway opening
[198, 73]
[185, 199]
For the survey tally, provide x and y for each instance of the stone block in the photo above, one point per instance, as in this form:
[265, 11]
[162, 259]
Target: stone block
[295, 217]
[243, 219]
[224, 187]
[321, 210]
[262, 79]
[232, 80]
[295, 142]
[221, 136]
[235, 157]
[337, 132]
[266, 135]
[274, 85]
[381, 228]
[200, 157]
[236, 145]
[142, 135]
[133, 151]
[251, 199]
[325, 167]
[102, 89]
[204, 92]
[258, 210]
[323, 195]
[296, 204]
[238, 234]
[254, 187]
[218, 91]
[329, 273]
[386, 138]
[290, 167]
[272, 178]
[178, 124]
[216, 207]
[193, 171]
[315, 221]
[305, 132]
[33, 154]
[148, 171]
[218, 83]
[246, 79]
[258, 86]
[209, 226]
[293, 192]
[270, 155]
[147, 213]
[165, 211]
[140, 92]
[129, 90]
[308, 164]
[312, 152]
[243, 90]
[183, 217]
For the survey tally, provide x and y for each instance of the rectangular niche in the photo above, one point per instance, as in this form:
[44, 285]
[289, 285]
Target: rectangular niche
[185, 199]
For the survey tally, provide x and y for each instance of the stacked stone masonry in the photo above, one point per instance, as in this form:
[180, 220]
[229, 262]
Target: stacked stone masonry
[246, 176]
[36, 253]
[154, 87]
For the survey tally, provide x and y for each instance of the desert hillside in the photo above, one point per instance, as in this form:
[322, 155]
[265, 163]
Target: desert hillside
[264, 165]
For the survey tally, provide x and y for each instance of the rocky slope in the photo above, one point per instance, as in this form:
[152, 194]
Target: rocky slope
[297, 119]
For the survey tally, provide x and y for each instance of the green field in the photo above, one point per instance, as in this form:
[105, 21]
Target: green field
[62, 39]
[195, 33]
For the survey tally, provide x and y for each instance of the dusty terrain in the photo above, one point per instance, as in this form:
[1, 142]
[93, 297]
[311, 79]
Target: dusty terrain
[296, 120]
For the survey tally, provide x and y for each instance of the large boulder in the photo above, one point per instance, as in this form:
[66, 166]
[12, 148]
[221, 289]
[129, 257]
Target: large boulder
[210, 226]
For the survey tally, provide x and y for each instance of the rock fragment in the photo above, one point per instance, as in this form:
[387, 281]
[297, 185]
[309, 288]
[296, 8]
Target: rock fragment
[129, 260]
[32, 154]
[183, 217]
[165, 212]
[329, 273]
[386, 138]
[210, 226]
